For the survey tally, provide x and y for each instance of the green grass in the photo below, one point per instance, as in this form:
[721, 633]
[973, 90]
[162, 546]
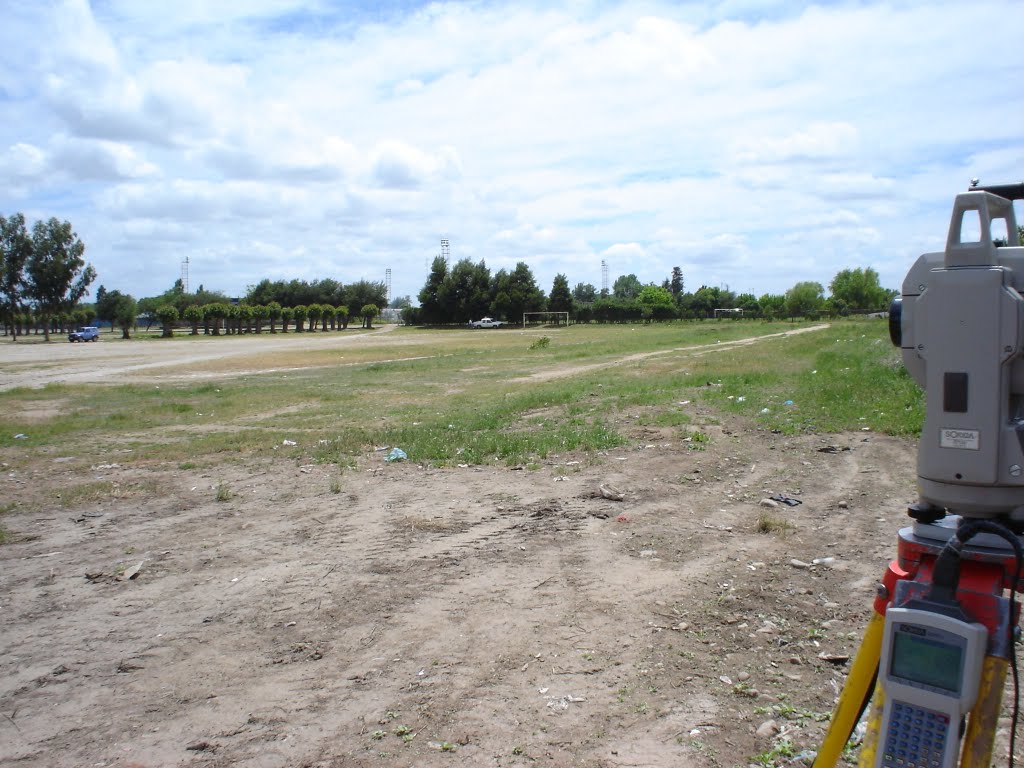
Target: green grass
[458, 397]
[849, 378]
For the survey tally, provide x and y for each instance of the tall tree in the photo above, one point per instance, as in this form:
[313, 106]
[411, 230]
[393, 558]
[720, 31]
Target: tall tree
[706, 300]
[466, 292]
[656, 303]
[119, 308]
[626, 287]
[516, 292]
[58, 275]
[804, 297]
[860, 289]
[15, 249]
[560, 299]
[772, 305]
[676, 284]
[363, 292]
[430, 296]
[584, 293]
[748, 303]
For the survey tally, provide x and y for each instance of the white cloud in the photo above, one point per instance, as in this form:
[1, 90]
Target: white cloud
[749, 143]
[816, 142]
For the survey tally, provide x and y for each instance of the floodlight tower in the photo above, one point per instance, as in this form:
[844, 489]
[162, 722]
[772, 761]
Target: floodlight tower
[184, 275]
[445, 251]
[604, 277]
[387, 283]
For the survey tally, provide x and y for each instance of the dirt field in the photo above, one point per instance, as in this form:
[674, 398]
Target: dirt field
[425, 617]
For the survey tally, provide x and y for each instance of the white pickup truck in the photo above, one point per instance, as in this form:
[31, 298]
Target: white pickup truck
[485, 322]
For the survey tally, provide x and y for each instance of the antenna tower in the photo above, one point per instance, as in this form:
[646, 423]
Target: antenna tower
[184, 275]
[604, 277]
[445, 251]
[387, 283]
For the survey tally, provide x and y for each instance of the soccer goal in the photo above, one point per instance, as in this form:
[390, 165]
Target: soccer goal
[736, 312]
[541, 319]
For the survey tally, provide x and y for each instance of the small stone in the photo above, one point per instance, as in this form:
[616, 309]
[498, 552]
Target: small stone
[844, 505]
[770, 503]
[799, 563]
[767, 729]
[743, 676]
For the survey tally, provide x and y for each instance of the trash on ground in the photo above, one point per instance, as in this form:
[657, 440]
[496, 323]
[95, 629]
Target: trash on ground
[833, 449]
[834, 658]
[789, 501]
[563, 702]
[20, 436]
[397, 454]
[622, 519]
[288, 442]
[130, 573]
[612, 493]
[788, 402]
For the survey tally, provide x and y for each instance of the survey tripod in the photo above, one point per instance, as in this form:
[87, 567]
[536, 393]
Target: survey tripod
[934, 558]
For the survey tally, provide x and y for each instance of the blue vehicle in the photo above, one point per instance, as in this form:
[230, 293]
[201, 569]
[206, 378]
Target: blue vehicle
[85, 333]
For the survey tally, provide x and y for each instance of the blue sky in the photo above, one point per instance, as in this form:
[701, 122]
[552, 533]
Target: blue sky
[753, 144]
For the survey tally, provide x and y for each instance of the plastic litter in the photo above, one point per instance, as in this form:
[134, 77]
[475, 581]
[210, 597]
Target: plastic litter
[397, 454]
[288, 442]
[787, 500]
[788, 402]
[20, 436]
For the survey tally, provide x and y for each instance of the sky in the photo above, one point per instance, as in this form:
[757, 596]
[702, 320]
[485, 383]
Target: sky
[753, 144]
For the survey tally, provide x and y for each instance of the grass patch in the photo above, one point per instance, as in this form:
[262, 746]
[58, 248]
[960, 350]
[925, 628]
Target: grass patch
[86, 493]
[456, 397]
[767, 523]
[846, 378]
[782, 749]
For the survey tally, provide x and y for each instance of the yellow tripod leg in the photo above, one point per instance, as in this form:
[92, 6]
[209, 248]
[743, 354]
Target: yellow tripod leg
[981, 729]
[855, 692]
[869, 749]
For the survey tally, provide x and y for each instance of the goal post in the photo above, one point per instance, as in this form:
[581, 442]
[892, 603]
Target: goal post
[545, 318]
[735, 312]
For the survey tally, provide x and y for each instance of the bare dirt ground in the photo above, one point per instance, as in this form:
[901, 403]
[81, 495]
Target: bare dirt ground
[424, 617]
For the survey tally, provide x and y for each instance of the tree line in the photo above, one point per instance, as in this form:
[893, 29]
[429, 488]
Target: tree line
[43, 278]
[303, 306]
[468, 291]
[43, 275]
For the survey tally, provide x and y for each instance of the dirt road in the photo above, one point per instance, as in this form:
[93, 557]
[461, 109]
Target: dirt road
[34, 364]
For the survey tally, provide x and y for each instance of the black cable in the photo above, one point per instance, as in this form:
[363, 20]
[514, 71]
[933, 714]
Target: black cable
[965, 533]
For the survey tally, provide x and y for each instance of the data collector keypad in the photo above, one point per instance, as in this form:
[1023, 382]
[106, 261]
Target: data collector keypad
[916, 737]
